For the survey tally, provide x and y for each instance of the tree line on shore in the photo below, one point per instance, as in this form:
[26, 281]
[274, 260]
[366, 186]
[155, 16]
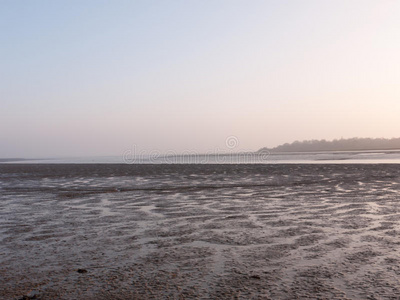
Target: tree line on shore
[352, 144]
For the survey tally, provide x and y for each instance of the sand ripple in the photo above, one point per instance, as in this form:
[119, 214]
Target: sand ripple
[199, 231]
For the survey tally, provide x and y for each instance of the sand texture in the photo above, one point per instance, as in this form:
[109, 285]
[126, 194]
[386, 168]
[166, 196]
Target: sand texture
[199, 231]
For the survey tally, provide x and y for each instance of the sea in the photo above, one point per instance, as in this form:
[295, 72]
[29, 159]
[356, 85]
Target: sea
[335, 157]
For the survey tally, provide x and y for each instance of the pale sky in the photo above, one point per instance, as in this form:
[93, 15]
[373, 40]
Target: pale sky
[88, 78]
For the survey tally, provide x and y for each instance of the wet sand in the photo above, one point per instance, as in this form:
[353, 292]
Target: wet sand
[199, 231]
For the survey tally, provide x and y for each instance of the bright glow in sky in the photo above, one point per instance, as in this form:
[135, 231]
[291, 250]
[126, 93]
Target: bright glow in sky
[95, 77]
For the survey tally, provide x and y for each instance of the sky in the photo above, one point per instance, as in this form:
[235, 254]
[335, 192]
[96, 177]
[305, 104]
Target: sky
[95, 78]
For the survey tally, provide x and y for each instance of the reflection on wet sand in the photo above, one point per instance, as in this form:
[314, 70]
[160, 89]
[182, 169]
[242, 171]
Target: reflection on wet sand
[199, 231]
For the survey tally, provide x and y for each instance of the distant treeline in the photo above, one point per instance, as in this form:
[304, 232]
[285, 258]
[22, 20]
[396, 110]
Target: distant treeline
[353, 144]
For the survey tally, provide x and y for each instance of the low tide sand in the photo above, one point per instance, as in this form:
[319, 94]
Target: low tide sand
[199, 231]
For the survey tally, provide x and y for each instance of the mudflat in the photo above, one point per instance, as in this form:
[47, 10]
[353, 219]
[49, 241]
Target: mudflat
[279, 231]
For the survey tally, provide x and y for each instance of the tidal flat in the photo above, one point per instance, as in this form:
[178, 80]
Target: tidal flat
[248, 231]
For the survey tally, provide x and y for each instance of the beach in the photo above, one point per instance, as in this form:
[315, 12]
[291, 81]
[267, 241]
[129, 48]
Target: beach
[237, 231]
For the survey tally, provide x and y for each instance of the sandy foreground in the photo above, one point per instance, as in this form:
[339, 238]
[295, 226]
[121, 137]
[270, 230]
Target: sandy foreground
[199, 231]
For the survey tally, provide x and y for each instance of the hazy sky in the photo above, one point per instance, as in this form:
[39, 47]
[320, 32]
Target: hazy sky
[95, 77]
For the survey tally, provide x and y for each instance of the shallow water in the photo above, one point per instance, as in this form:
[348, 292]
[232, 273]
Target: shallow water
[200, 231]
[327, 157]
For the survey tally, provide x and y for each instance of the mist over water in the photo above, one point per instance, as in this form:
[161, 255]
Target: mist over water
[338, 157]
[222, 149]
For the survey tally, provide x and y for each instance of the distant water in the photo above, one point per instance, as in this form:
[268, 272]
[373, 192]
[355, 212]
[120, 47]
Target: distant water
[347, 157]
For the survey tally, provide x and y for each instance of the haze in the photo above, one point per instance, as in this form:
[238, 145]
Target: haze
[80, 78]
